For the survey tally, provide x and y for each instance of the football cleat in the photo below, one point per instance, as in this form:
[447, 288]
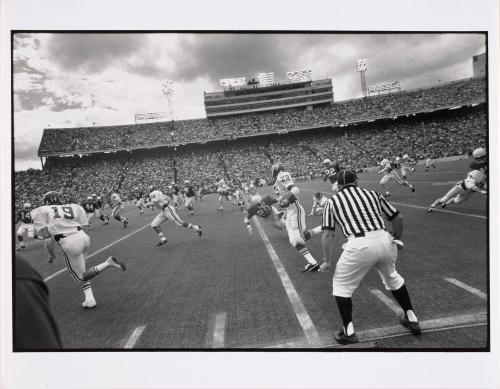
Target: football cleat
[413, 326]
[162, 242]
[112, 261]
[89, 303]
[412, 188]
[125, 223]
[443, 205]
[199, 231]
[311, 268]
[342, 338]
[430, 209]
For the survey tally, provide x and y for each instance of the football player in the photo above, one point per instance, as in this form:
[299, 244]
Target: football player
[480, 161]
[89, 205]
[295, 215]
[118, 207]
[99, 209]
[330, 173]
[264, 207]
[189, 195]
[223, 192]
[138, 195]
[404, 163]
[24, 216]
[429, 163]
[461, 191]
[62, 223]
[318, 203]
[388, 169]
[167, 212]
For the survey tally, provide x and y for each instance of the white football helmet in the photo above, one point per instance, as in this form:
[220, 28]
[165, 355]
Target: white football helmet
[479, 154]
[27, 206]
[476, 175]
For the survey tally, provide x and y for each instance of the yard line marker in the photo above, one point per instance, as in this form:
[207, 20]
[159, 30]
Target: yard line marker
[468, 288]
[134, 337]
[216, 331]
[386, 300]
[98, 251]
[303, 317]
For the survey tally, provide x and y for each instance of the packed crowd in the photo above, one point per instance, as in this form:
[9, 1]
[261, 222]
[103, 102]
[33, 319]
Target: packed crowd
[184, 131]
[436, 135]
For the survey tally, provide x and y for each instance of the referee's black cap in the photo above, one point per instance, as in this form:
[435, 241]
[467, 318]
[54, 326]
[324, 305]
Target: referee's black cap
[346, 177]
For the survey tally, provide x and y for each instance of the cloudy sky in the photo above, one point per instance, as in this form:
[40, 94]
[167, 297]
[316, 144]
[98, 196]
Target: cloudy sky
[74, 80]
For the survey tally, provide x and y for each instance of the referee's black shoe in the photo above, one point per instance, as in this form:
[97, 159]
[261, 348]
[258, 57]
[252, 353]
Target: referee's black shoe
[342, 338]
[413, 326]
[311, 268]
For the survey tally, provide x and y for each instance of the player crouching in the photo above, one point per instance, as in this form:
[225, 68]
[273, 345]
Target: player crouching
[319, 202]
[63, 224]
[118, 207]
[167, 212]
[461, 191]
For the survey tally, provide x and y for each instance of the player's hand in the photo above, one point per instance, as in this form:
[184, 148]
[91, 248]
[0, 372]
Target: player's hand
[250, 229]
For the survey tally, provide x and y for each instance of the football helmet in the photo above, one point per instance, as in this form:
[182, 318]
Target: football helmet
[90, 198]
[151, 188]
[27, 207]
[277, 167]
[479, 154]
[317, 195]
[252, 189]
[99, 198]
[327, 162]
[384, 162]
[52, 198]
[186, 182]
[476, 175]
[115, 197]
[94, 196]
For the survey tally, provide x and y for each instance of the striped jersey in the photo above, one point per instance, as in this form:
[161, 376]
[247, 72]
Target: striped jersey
[357, 210]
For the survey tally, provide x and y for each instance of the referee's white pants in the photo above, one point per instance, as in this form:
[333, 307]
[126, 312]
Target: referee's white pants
[295, 223]
[168, 213]
[376, 249]
[75, 248]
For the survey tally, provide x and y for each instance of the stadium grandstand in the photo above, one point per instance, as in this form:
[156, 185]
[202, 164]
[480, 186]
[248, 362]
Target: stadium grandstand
[438, 121]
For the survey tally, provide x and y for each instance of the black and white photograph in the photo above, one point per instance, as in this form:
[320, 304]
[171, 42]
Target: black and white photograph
[224, 192]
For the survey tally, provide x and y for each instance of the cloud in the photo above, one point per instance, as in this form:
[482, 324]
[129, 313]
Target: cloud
[93, 53]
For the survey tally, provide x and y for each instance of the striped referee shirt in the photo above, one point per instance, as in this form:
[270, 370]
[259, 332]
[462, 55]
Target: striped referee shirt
[357, 210]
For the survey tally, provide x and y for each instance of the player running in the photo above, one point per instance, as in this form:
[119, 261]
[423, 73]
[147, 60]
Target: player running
[429, 163]
[295, 215]
[99, 209]
[264, 208]
[138, 196]
[461, 191]
[63, 224]
[26, 227]
[118, 207]
[90, 207]
[319, 202]
[404, 163]
[330, 173]
[389, 171]
[223, 192]
[167, 212]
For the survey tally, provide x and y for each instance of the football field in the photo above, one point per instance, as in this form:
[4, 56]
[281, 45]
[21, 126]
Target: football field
[231, 290]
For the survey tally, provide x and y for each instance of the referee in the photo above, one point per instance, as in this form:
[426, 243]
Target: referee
[360, 214]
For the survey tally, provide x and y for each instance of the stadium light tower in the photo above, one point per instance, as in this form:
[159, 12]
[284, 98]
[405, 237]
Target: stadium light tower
[362, 67]
[168, 91]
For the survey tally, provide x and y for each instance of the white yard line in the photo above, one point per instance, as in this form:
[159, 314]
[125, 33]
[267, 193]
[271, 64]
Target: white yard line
[134, 337]
[98, 251]
[305, 321]
[216, 331]
[386, 300]
[418, 206]
[468, 288]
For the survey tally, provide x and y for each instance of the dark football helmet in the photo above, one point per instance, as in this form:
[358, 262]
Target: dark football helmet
[277, 167]
[52, 198]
